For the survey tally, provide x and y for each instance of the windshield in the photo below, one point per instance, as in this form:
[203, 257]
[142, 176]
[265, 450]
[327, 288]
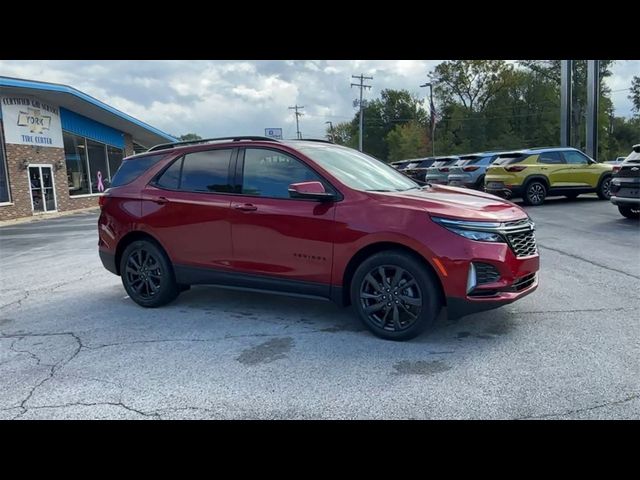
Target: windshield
[358, 170]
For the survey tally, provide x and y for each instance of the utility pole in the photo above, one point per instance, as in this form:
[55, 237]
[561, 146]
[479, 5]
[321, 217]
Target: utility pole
[432, 121]
[361, 85]
[298, 114]
[331, 131]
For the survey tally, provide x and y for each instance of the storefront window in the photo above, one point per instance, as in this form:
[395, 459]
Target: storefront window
[90, 164]
[4, 181]
[115, 159]
[98, 171]
[75, 152]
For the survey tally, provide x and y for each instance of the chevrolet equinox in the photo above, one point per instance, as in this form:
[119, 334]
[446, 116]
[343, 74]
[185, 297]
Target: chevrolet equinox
[315, 219]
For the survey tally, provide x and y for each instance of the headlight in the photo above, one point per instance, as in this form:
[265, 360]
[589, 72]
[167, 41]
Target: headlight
[479, 231]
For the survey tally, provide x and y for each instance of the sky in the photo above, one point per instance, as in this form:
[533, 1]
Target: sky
[224, 97]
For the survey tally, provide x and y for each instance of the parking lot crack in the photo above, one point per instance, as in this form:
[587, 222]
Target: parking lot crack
[581, 410]
[52, 368]
[577, 257]
[92, 404]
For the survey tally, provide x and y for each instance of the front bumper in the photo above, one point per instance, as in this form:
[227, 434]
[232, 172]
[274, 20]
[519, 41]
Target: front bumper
[625, 201]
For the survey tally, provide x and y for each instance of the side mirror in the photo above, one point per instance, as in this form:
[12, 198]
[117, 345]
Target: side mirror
[311, 191]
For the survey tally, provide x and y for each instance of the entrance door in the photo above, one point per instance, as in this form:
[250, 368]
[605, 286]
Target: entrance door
[43, 197]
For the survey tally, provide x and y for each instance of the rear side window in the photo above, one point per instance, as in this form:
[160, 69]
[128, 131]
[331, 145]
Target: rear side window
[550, 158]
[510, 159]
[171, 177]
[206, 171]
[131, 169]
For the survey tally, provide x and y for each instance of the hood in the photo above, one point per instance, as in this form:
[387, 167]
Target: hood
[459, 203]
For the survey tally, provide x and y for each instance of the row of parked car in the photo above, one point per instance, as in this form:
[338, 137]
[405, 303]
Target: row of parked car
[533, 174]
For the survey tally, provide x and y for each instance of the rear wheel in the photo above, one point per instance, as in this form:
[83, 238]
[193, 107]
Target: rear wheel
[629, 212]
[535, 193]
[604, 189]
[395, 296]
[147, 274]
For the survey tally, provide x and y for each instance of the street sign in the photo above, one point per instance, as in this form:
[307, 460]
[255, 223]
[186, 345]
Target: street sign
[273, 133]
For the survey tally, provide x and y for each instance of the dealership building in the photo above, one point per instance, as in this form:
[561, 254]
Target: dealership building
[59, 147]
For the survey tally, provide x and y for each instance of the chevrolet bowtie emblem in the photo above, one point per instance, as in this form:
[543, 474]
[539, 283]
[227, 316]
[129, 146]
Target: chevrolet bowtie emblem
[34, 120]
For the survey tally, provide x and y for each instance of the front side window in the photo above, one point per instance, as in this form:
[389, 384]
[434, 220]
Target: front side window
[357, 170]
[206, 171]
[575, 158]
[551, 158]
[268, 173]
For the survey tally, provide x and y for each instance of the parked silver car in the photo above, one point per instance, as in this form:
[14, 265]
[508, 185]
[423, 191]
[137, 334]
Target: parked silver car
[469, 171]
[438, 172]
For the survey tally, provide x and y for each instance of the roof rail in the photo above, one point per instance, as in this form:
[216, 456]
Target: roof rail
[321, 140]
[164, 146]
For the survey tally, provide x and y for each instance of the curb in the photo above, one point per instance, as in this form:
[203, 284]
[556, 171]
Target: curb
[40, 218]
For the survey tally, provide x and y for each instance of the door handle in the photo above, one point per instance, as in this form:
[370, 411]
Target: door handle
[245, 207]
[160, 200]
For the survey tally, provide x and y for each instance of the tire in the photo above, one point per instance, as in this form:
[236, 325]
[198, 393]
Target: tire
[572, 196]
[604, 188]
[405, 312]
[480, 183]
[148, 286]
[630, 212]
[534, 193]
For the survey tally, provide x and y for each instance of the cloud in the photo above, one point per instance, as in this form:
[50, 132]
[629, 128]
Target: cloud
[230, 97]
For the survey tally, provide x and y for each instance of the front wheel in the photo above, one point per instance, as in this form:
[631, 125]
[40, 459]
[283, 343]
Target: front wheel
[604, 189]
[395, 295]
[630, 212]
[147, 275]
[535, 193]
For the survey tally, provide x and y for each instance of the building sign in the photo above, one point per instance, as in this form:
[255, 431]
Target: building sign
[28, 121]
[273, 133]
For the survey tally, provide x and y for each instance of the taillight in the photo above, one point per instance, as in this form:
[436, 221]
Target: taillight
[515, 168]
[102, 200]
[470, 169]
[444, 169]
[616, 168]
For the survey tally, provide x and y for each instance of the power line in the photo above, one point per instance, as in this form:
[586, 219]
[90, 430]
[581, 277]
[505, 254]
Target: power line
[361, 85]
[297, 114]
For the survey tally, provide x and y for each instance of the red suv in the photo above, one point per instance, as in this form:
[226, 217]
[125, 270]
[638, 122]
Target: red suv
[314, 219]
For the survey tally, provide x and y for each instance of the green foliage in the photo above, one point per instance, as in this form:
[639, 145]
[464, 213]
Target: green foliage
[491, 105]
[635, 94]
[187, 137]
[407, 141]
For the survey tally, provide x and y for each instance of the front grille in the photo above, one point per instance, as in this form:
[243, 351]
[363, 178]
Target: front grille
[523, 243]
[523, 282]
[486, 273]
[524, 222]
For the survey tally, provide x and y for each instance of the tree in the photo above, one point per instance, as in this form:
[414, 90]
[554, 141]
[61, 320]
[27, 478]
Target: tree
[187, 137]
[635, 94]
[343, 134]
[407, 141]
[381, 115]
[471, 82]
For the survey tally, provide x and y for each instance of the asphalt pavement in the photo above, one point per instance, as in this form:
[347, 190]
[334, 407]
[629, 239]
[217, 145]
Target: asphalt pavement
[73, 345]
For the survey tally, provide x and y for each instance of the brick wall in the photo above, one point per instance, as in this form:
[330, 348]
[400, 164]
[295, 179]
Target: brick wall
[19, 181]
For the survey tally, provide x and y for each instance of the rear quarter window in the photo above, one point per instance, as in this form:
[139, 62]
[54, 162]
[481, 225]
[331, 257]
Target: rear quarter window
[131, 169]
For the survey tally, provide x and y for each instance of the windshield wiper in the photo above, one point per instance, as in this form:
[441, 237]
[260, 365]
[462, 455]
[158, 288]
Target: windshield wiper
[378, 190]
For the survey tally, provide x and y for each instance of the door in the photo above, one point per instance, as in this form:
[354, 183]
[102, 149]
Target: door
[553, 166]
[580, 172]
[273, 234]
[42, 188]
[187, 209]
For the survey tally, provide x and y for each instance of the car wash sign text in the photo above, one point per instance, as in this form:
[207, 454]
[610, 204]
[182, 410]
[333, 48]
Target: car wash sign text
[29, 121]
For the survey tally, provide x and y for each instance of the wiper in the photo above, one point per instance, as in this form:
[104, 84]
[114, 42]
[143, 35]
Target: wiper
[378, 190]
